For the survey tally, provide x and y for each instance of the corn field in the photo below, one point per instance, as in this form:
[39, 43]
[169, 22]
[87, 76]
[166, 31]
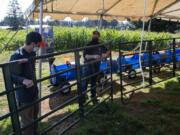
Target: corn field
[73, 37]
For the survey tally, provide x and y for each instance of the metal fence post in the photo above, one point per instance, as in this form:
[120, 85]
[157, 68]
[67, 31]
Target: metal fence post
[174, 57]
[79, 83]
[120, 70]
[11, 99]
[150, 62]
[112, 89]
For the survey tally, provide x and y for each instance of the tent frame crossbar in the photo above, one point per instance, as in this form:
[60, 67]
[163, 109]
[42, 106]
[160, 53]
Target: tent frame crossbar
[166, 7]
[83, 13]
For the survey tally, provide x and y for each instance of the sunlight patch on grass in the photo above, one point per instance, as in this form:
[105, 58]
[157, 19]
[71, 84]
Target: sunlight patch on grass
[5, 127]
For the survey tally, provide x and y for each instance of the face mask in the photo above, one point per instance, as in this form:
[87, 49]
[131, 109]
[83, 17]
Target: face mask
[35, 49]
[95, 39]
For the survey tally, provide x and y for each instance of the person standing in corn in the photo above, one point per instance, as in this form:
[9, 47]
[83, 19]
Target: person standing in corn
[90, 55]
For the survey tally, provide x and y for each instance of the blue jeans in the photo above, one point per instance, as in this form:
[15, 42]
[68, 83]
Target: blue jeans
[87, 71]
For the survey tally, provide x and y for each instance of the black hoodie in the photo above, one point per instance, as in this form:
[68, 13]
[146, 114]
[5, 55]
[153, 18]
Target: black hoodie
[25, 71]
[94, 51]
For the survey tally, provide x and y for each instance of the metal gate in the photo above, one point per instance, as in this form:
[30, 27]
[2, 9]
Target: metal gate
[104, 93]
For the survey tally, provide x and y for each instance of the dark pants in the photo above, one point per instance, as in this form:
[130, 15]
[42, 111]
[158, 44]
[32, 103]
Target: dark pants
[87, 71]
[28, 116]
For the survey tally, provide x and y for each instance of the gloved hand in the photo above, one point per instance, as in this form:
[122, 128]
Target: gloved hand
[92, 57]
[28, 83]
[96, 56]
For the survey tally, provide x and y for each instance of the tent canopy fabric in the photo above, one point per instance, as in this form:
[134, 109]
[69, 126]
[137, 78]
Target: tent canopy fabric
[109, 9]
[172, 12]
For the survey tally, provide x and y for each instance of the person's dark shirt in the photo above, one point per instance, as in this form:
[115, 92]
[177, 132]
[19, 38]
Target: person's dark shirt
[24, 71]
[94, 51]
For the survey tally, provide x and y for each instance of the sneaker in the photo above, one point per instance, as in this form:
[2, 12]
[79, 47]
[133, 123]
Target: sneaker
[84, 98]
[95, 101]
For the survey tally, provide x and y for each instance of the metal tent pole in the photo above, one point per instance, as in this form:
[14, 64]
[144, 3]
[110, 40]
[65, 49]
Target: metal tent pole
[149, 29]
[149, 26]
[101, 22]
[40, 52]
[101, 16]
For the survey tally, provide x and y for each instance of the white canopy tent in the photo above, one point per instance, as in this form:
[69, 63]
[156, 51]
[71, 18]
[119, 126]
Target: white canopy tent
[109, 9]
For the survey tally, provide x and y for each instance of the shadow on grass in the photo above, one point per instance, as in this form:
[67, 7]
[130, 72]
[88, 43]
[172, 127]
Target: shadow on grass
[156, 112]
[60, 98]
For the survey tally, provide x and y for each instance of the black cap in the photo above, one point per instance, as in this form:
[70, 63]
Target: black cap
[33, 37]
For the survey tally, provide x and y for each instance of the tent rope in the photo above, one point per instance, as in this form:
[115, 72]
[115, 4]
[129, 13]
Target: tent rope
[142, 38]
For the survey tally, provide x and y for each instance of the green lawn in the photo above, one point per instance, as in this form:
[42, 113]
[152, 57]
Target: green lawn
[154, 111]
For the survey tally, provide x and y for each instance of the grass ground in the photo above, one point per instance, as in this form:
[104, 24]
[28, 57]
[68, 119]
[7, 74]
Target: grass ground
[154, 111]
[151, 111]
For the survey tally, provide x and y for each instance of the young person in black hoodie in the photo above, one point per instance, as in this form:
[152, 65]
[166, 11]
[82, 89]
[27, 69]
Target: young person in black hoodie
[26, 76]
[93, 54]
